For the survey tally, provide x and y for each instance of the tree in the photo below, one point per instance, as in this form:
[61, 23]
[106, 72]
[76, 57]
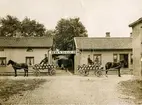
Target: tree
[32, 28]
[66, 30]
[10, 26]
[50, 33]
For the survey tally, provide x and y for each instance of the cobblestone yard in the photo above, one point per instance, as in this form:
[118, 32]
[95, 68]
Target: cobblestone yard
[74, 90]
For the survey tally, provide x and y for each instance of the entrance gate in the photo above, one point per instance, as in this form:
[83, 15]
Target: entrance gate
[68, 54]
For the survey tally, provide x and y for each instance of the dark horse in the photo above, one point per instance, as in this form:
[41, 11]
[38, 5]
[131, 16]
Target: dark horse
[114, 65]
[19, 66]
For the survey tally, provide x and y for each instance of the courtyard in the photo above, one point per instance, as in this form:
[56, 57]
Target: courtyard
[72, 90]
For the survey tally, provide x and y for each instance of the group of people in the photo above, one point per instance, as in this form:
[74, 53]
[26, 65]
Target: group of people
[90, 62]
[45, 61]
[63, 63]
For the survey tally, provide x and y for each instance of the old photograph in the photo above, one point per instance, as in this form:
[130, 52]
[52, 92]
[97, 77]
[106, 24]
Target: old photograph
[70, 52]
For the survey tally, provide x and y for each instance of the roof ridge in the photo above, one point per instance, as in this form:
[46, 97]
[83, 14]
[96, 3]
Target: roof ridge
[26, 42]
[24, 37]
[104, 37]
[135, 22]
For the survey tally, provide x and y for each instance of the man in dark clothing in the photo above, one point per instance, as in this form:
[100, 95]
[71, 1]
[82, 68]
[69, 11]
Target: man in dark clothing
[90, 62]
[45, 60]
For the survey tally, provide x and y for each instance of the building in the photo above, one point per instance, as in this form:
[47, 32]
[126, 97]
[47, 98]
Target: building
[137, 47]
[104, 49]
[24, 50]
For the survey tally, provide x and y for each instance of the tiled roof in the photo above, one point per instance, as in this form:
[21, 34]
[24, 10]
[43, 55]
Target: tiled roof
[103, 43]
[136, 22]
[26, 42]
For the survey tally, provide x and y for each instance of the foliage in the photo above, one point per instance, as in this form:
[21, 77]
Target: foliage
[66, 30]
[50, 33]
[11, 27]
[32, 28]
[64, 33]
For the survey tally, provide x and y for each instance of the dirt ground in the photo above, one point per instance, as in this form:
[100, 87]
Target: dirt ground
[132, 89]
[10, 87]
[74, 90]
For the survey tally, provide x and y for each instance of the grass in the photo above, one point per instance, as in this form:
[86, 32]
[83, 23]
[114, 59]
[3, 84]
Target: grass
[11, 87]
[132, 88]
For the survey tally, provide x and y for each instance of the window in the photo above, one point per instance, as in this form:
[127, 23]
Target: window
[2, 61]
[115, 57]
[97, 58]
[29, 50]
[30, 61]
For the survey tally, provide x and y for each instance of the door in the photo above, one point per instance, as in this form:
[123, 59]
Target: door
[124, 57]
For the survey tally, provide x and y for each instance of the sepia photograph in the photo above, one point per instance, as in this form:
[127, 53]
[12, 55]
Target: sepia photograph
[70, 52]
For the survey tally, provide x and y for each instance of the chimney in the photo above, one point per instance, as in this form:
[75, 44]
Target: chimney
[107, 34]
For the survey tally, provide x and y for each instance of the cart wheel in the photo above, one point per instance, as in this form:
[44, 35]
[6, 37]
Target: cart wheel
[86, 73]
[37, 72]
[81, 72]
[98, 73]
[52, 72]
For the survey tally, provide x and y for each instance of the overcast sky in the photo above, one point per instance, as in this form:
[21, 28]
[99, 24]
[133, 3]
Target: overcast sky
[98, 16]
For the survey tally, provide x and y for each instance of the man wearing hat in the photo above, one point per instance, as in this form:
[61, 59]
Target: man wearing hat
[45, 60]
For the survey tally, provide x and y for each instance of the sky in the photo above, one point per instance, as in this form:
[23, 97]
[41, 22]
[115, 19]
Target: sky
[98, 16]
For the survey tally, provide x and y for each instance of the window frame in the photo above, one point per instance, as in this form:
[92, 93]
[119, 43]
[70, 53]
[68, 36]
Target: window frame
[100, 61]
[116, 57]
[5, 61]
[29, 57]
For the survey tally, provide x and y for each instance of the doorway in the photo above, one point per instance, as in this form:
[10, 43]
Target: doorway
[64, 61]
[124, 57]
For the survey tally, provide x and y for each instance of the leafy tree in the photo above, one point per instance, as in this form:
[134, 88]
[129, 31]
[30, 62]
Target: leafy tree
[32, 28]
[10, 26]
[50, 33]
[66, 30]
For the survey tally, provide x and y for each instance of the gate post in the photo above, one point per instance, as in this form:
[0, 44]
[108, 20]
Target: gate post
[76, 61]
[50, 56]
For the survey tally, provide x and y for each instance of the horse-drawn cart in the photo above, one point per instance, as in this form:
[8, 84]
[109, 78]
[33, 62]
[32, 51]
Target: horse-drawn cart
[84, 69]
[49, 67]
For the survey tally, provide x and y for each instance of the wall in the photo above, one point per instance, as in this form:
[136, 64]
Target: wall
[19, 55]
[136, 43]
[107, 56]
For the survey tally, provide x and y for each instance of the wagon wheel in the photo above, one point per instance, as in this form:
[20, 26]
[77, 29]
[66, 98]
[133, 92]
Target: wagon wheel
[52, 72]
[37, 72]
[86, 72]
[98, 73]
[81, 72]
[96, 68]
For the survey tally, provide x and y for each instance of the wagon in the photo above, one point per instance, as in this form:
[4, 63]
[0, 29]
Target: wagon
[49, 67]
[84, 69]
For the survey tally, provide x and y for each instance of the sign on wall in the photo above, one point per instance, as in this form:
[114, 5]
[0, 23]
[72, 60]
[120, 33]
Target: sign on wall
[63, 52]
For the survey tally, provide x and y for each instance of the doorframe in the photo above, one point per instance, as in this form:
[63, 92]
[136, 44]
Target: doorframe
[128, 61]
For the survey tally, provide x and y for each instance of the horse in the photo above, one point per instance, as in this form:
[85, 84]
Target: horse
[19, 66]
[115, 65]
[65, 63]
